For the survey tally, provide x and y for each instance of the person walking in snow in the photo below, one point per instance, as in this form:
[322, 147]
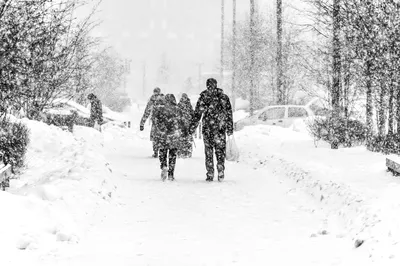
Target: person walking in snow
[170, 125]
[147, 113]
[96, 110]
[215, 108]
[185, 148]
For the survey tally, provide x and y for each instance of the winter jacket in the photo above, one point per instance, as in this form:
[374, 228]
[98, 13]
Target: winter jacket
[96, 110]
[147, 112]
[169, 123]
[216, 109]
[187, 111]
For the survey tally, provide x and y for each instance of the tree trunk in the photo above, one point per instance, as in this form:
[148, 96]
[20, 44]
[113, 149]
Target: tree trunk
[346, 89]
[279, 82]
[382, 109]
[234, 56]
[397, 118]
[336, 74]
[369, 104]
[391, 109]
[252, 81]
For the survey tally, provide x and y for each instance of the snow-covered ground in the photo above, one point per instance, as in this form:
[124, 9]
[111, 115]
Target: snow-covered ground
[67, 178]
[93, 198]
[351, 184]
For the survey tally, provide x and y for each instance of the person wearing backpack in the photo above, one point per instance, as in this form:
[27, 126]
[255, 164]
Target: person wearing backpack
[215, 108]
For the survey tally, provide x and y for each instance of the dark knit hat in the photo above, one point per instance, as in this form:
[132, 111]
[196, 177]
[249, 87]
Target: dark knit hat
[211, 83]
[157, 90]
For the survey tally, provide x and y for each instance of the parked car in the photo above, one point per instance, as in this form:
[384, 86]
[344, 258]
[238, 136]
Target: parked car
[66, 113]
[276, 115]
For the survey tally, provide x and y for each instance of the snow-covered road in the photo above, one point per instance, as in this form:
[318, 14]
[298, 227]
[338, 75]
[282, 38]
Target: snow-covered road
[253, 218]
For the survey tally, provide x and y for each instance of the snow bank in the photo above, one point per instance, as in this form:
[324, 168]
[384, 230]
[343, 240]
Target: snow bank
[107, 112]
[85, 111]
[238, 115]
[66, 179]
[241, 104]
[73, 105]
[351, 184]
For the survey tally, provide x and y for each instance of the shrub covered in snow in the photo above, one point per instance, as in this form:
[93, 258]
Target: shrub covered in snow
[324, 128]
[385, 144]
[14, 138]
[61, 120]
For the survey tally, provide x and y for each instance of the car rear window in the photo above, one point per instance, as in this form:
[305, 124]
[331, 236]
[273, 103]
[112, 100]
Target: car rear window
[297, 112]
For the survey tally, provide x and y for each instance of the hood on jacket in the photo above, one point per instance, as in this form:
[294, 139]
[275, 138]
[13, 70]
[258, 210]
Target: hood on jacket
[184, 100]
[160, 99]
[170, 99]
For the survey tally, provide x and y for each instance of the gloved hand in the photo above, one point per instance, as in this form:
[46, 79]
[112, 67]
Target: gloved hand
[230, 134]
[141, 127]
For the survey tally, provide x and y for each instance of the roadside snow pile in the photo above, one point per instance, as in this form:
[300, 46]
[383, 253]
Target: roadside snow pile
[238, 115]
[66, 179]
[242, 104]
[107, 112]
[350, 183]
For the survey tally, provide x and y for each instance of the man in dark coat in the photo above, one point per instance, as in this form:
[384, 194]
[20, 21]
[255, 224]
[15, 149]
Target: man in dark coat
[147, 113]
[217, 121]
[170, 125]
[185, 148]
[96, 110]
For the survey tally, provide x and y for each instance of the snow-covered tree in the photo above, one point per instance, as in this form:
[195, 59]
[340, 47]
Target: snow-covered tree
[368, 40]
[106, 76]
[44, 52]
[264, 69]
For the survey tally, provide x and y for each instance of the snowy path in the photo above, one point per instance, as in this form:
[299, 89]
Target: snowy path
[252, 218]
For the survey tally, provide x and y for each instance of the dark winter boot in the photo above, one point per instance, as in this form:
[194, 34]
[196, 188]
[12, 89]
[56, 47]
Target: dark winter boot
[171, 175]
[210, 178]
[164, 173]
[221, 176]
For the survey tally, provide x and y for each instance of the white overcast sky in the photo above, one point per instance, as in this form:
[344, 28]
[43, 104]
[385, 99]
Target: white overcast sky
[188, 31]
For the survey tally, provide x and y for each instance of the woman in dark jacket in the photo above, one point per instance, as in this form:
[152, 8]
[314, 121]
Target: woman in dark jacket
[169, 123]
[185, 147]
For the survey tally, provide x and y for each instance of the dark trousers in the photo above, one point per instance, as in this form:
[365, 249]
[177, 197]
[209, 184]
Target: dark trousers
[215, 143]
[171, 154]
[155, 148]
[92, 122]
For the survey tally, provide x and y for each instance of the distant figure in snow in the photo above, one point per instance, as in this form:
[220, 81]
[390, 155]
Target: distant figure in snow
[185, 148]
[147, 113]
[168, 121]
[216, 109]
[96, 110]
